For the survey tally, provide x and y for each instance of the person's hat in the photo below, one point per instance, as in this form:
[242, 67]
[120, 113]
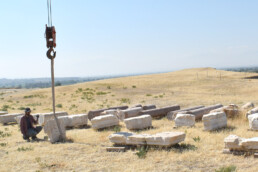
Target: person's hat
[27, 110]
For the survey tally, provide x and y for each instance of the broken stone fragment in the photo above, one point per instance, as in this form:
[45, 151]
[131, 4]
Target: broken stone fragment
[104, 121]
[214, 121]
[185, 120]
[253, 121]
[139, 122]
[232, 142]
[250, 144]
[44, 117]
[51, 129]
[119, 138]
[165, 138]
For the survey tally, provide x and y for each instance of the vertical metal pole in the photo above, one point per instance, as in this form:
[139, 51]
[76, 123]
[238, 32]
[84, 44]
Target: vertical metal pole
[53, 98]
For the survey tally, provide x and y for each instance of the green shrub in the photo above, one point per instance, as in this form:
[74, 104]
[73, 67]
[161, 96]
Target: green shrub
[142, 152]
[125, 100]
[23, 149]
[5, 107]
[117, 129]
[21, 108]
[197, 139]
[134, 86]
[148, 95]
[3, 144]
[3, 134]
[59, 105]
[101, 93]
[230, 168]
[108, 87]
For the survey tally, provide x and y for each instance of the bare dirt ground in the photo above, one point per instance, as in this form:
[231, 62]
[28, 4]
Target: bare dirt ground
[86, 149]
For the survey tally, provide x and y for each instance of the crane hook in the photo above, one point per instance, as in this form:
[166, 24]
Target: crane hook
[51, 54]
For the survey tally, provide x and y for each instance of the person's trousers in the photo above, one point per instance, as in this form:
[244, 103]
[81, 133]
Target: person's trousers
[32, 132]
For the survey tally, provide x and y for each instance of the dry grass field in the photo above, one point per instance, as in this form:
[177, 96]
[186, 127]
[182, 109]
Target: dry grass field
[86, 150]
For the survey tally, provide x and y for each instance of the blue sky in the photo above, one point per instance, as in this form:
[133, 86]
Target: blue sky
[103, 37]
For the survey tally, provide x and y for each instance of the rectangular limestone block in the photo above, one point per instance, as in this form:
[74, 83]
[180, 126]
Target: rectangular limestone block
[119, 138]
[165, 138]
[4, 119]
[128, 113]
[51, 129]
[253, 121]
[172, 114]
[104, 121]
[214, 121]
[250, 144]
[161, 112]
[44, 117]
[232, 142]
[94, 113]
[137, 139]
[139, 122]
[3, 112]
[75, 120]
[184, 120]
[202, 111]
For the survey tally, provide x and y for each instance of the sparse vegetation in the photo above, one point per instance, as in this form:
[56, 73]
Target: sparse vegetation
[230, 168]
[142, 152]
[197, 139]
[134, 86]
[23, 149]
[3, 144]
[148, 95]
[125, 100]
[59, 105]
[4, 134]
[5, 107]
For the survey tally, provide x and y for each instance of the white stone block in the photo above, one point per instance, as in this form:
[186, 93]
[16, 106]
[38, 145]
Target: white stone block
[3, 112]
[253, 121]
[104, 121]
[214, 121]
[250, 144]
[165, 138]
[232, 142]
[44, 117]
[139, 122]
[75, 120]
[119, 138]
[137, 139]
[128, 113]
[4, 119]
[51, 129]
[185, 120]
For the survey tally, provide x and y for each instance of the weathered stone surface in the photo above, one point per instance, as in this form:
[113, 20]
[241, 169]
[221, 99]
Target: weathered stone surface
[110, 111]
[185, 120]
[253, 121]
[139, 122]
[138, 105]
[202, 111]
[3, 112]
[160, 112]
[51, 129]
[128, 113]
[232, 142]
[250, 144]
[119, 138]
[104, 121]
[4, 119]
[165, 138]
[94, 113]
[137, 139]
[44, 117]
[214, 121]
[75, 120]
[252, 111]
[172, 114]
[231, 110]
[148, 107]
[248, 106]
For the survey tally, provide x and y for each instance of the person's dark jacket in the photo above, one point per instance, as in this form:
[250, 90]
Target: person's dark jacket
[23, 123]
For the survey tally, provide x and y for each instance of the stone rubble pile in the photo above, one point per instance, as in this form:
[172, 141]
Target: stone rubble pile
[214, 121]
[139, 122]
[160, 139]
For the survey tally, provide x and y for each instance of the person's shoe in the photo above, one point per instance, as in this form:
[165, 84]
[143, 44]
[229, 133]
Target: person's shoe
[28, 140]
[34, 138]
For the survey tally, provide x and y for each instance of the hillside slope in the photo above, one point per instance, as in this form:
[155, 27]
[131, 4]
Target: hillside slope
[86, 150]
